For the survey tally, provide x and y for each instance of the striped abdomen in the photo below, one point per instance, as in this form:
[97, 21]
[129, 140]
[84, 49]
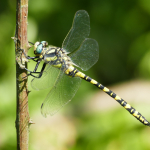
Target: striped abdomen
[74, 72]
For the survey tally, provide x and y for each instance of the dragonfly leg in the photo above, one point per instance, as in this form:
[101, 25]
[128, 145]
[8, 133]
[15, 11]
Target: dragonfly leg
[42, 70]
[34, 71]
[30, 42]
[28, 57]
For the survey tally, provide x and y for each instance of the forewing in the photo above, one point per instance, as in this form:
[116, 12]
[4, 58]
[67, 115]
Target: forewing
[48, 79]
[79, 31]
[60, 95]
[87, 54]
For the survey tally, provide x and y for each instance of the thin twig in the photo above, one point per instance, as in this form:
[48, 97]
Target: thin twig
[21, 42]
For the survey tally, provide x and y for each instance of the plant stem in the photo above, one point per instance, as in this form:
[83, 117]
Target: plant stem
[22, 116]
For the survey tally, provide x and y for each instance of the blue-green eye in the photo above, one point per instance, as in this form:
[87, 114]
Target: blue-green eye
[39, 48]
[44, 43]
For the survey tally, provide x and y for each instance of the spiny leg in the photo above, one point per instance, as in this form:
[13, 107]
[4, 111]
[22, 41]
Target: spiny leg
[30, 42]
[28, 57]
[36, 59]
[34, 71]
[122, 102]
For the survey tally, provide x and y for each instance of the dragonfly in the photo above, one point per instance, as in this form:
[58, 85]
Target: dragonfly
[59, 71]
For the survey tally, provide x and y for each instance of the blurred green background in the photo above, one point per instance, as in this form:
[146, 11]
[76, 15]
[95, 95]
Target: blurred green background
[92, 120]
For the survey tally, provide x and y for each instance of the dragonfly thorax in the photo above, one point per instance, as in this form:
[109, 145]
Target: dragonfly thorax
[57, 57]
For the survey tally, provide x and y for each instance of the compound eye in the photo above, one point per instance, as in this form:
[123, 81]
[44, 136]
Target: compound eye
[39, 49]
[36, 45]
[44, 43]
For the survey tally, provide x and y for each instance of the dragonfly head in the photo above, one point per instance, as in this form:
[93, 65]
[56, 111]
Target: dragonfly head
[38, 47]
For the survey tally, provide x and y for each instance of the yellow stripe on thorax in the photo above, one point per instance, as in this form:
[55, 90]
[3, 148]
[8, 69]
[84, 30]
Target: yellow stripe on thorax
[48, 59]
[58, 65]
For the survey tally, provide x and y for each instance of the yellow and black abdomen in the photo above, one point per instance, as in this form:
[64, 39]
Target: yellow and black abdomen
[122, 102]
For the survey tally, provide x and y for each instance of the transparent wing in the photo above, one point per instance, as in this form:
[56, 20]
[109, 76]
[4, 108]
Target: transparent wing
[49, 78]
[79, 31]
[60, 95]
[87, 54]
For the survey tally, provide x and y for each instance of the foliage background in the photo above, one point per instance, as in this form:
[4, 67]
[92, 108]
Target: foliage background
[92, 120]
